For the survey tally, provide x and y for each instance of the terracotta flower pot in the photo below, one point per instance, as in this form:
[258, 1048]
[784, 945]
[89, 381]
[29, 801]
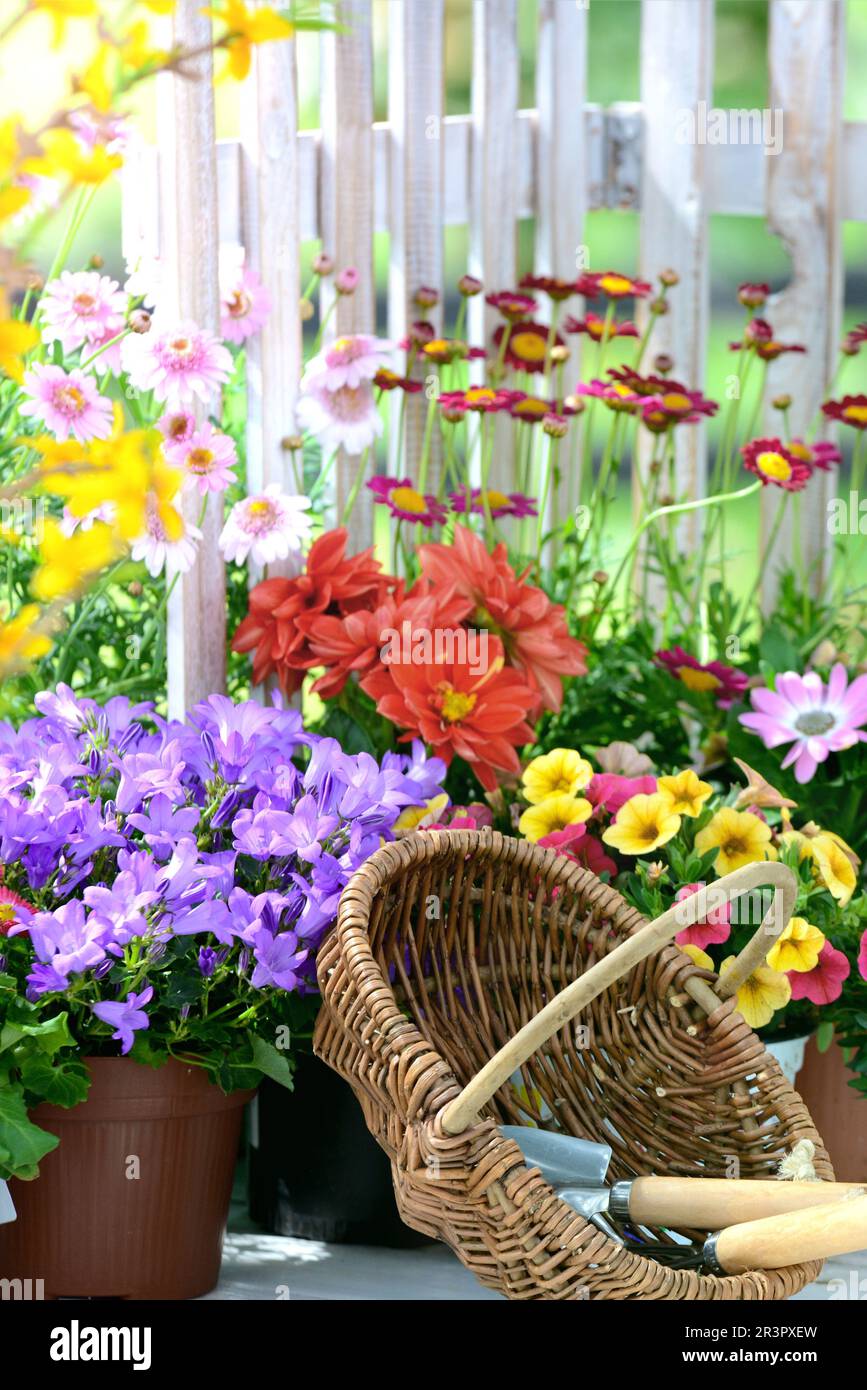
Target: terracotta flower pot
[838, 1112]
[133, 1202]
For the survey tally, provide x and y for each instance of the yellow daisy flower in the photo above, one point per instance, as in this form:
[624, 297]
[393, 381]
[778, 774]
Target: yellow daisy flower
[643, 824]
[554, 813]
[761, 994]
[685, 791]
[560, 772]
[797, 948]
[739, 836]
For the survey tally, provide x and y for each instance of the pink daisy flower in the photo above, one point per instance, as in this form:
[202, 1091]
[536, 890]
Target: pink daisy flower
[177, 426]
[348, 361]
[206, 459]
[824, 983]
[499, 503]
[159, 550]
[244, 304]
[268, 526]
[817, 719]
[711, 930]
[84, 308]
[821, 454]
[14, 912]
[406, 503]
[67, 403]
[725, 682]
[177, 364]
[343, 419]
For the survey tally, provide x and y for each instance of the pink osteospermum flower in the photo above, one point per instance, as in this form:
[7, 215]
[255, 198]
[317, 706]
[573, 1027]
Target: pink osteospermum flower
[406, 502]
[177, 427]
[67, 403]
[725, 682]
[824, 983]
[178, 364]
[83, 307]
[206, 459]
[499, 503]
[244, 305]
[348, 361]
[817, 719]
[162, 547]
[346, 418]
[772, 462]
[268, 526]
[711, 930]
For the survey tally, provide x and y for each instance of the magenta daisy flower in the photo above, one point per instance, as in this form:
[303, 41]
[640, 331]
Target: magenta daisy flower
[83, 308]
[244, 304]
[206, 459]
[817, 719]
[822, 454]
[675, 407]
[594, 326]
[612, 285]
[499, 503]
[512, 305]
[772, 462]
[178, 364]
[851, 410]
[616, 394]
[67, 403]
[406, 502]
[726, 683]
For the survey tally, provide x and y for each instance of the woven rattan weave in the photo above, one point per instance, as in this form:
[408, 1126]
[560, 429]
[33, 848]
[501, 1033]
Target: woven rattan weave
[446, 945]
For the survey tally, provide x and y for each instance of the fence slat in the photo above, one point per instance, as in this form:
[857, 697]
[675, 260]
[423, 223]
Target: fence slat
[415, 110]
[805, 50]
[561, 180]
[676, 74]
[270, 218]
[189, 247]
[346, 205]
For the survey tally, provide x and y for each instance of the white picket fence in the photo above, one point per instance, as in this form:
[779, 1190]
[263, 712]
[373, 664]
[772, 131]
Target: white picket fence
[419, 171]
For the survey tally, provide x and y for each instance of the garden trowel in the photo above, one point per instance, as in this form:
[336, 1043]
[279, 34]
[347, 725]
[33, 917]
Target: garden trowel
[576, 1169]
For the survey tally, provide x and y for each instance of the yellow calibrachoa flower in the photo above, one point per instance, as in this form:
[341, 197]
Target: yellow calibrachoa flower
[15, 339]
[561, 772]
[685, 791]
[554, 813]
[68, 562]
[248, 27]
[61, 11]
[740, 837]
[643, 823]
[796, 948]
[834, 867]
[761, 994]
[698, 956]
[19, 643]
[411, 817]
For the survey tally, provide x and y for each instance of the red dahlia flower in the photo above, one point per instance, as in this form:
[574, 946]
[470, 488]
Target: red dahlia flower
[480, 718]
[533, 630]
[852, 410]
[332, 583]
[771, 461]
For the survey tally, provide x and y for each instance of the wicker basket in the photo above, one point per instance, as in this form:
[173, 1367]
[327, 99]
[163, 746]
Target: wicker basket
[461, 956]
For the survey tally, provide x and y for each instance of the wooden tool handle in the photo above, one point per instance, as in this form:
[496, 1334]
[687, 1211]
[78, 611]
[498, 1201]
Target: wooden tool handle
[837, 1228]
[711, 1203]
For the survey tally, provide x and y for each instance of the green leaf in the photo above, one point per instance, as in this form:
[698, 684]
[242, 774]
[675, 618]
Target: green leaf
[824, 1036]
[50, 1035]
[777, 651]
[60, 1083]
[272, 1062]
[22, 1144]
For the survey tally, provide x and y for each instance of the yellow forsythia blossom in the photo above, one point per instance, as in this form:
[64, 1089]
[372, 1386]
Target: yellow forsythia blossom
[67, 563]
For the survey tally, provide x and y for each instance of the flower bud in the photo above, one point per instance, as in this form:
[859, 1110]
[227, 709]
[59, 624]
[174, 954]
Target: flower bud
[781, 402]
[135, 589]
[669, 277]
[851, 345]
[663, 363]
[96, 261]
[140, 321]
[575, 404]
[305, 310]
[291, 443]
[209, 748]
[659, 306]
[600, 577]
[347, 281]
[560, 352]
[555, 425]
[469, 286]
[426, 297]
[322, 263]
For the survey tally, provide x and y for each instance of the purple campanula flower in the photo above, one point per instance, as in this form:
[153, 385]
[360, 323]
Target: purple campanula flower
[277, 960]
[44, 979]
[209, 749]
[66, 939]
[212, 916]
[144, 774]
[125, 1016]
[163, 823]
[226, 809]
[207, 961]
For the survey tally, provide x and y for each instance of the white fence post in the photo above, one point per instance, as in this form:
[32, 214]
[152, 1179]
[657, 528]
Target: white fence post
[805, 50]
[346, 207]
[676, 75]
[415, 118]
[189, 249]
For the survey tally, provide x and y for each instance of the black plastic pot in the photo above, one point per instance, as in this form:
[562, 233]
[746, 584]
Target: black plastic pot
[314, 1169]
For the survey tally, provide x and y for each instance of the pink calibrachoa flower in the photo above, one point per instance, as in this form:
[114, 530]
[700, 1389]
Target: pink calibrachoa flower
[727, 683]
[824, 983]
[711, 930]
[177, 427]
[68, 403]
[348, 361]
[244, 304]
[168, 542]
[206, 459]
[271, 525]
[817, 719]
[608, 791]
[406, 503]
[499, 503]
[862, 957]
[772, 462]
[84, 308]
[343, 419]
[178, 363]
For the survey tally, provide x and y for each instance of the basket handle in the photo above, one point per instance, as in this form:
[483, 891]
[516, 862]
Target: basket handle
[464, 1110]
